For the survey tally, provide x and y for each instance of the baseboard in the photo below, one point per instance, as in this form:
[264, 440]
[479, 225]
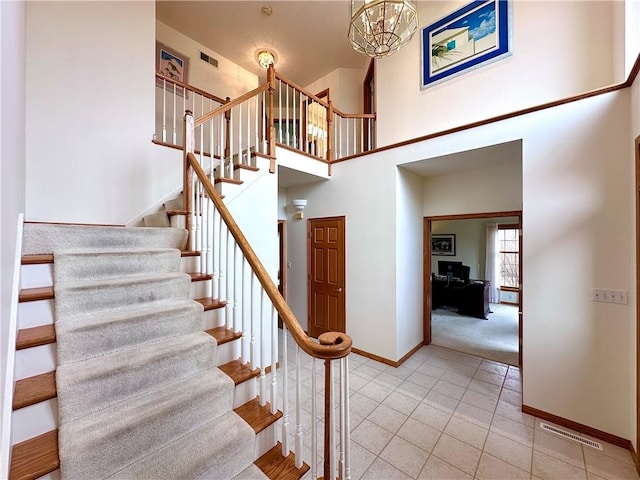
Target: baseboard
[386, 361]
[579, 427]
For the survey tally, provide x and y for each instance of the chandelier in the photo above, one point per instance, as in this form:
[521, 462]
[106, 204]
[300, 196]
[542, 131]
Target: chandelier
[380, 27]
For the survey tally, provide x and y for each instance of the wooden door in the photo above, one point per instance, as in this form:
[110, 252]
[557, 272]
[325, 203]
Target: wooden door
[326, 260]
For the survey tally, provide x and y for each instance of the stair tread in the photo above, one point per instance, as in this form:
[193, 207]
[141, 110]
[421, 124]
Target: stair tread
[199, 276]
[32, 390]
[210, 303]
[223, 335]
[35, 457]
[35, 336]
[37, 259]
[228, 180]
[242, 166]
[190, 253]
[238, 372]
[36, 293]
[257, 416]
[277, 467]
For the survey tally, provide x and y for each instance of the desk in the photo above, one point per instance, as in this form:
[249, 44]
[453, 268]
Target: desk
[470, 298]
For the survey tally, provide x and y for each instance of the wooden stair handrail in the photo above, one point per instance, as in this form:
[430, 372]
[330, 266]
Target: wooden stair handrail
[333, 345]
[186, 86]
[229, 105]
[310, 95]
[354, 115]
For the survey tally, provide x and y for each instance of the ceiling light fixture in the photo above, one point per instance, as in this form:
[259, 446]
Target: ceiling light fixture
[381, 27]
[265, 58]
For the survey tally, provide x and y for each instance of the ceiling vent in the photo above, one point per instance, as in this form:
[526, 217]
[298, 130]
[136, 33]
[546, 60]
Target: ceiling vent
[208, 59]
[570, 436]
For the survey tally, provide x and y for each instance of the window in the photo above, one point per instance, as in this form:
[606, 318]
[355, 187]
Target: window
[509, 252]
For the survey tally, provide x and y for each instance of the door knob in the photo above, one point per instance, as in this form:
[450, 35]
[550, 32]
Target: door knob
[339, 289]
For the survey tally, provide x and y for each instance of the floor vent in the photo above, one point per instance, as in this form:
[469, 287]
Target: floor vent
[570, 436]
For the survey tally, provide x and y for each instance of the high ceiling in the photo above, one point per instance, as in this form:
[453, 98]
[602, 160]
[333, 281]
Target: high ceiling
[309, 37]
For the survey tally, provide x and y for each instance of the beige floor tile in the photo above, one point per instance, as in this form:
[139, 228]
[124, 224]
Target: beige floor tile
[494, 367]
[457, 453]
[490, 377]
[441, 401]
[449, 389]
[436, 469]
[371, 436]
[492, 468]
[614, 451]
[513, 430]
[514, 412]
[361, 460]
[469, 433]
[404, 456]
[401, 372]
[510, 396]
[366, 371]
[375, 391]
[466, 370]
[513, 384]
[480, 400]
[356, 382]
[421, 435]
[413, 390]
[388, 380]
[558, 447]
[468, 360]
[608, 467]
[473, 414]
[431, 416]
[550, 468]
[456, 378]
[381, 470]
[422, 379]
[362, 405]
[401, 402]
[431, 370]
[487, 388]
[510, 451]
[387, 418]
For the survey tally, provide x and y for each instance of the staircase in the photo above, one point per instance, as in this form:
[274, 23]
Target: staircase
[142, 389]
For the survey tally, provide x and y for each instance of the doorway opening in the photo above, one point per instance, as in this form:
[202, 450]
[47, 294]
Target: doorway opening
[473, 284]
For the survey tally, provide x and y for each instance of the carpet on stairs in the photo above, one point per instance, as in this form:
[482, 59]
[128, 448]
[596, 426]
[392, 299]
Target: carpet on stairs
[139, 393]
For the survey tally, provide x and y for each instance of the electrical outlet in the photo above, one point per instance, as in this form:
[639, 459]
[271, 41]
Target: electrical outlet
[607, 295]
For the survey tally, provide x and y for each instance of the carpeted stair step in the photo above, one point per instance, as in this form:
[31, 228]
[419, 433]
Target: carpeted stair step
[99, 445]
[160, 219]
[95, 334]
[92, 264]
[42, 238]
[97, 383]
[73, 298]
[175, 204]
[220, 449]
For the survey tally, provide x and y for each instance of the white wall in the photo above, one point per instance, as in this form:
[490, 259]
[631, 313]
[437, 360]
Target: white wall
[547, 64]
[345, 88]
[12, 175]
[631, 34]
[95, 163]
[409, 297]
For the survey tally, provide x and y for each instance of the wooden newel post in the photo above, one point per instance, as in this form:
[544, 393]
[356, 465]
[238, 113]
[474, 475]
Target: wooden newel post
[189, 145]
[330, 135]
[271, 131]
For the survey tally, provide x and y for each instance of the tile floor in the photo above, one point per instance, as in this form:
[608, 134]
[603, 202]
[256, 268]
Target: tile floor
[450, 415]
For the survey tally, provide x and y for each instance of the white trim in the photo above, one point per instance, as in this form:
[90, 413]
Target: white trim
[7, 401]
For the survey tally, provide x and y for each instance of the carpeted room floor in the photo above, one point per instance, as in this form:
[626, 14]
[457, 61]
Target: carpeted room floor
[495, 338]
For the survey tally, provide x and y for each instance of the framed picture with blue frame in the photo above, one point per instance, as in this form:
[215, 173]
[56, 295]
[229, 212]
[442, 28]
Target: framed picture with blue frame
[471, 37]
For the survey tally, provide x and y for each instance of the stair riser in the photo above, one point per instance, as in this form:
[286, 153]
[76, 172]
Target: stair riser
[94, 298]
[228, 351]
[265, 440]
[200, 289]
[34, 420]
[190, 264]
[35, 360]
[33, 314]
[244, 392]
[177, 221]
[112, 265]
[38, 275]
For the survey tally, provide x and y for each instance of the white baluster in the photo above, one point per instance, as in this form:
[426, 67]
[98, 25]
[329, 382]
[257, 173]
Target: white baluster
[164, 110]
[274, 360]
[246, 312]
[299, 439]
[263, 358]
[254, 323]
[314, 423]
[280, 109]
[332, 424]
[255, 114]
[347, 420]
[239, 160]
[223, 272]
[215, 281]
[287, 125]
[229, 284]
[248, 159]
[285, 392]
[175, 115]
[295, 133]
[237, 278]
[264, 123]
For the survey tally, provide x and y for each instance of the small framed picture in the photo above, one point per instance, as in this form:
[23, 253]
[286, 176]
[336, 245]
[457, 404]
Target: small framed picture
[443, 244]
[171, 64]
